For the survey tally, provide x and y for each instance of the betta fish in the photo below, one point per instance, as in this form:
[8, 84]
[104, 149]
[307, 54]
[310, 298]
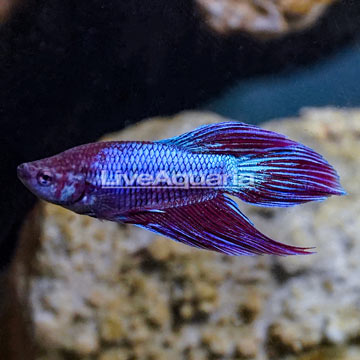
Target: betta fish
[181, 187]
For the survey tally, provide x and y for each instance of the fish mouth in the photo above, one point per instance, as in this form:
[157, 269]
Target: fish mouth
[23, 173]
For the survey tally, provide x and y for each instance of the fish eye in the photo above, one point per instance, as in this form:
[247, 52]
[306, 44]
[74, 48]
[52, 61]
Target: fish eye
[44, 178]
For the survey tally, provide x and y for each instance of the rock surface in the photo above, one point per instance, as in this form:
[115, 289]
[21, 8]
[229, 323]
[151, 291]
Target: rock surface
[100, 290]
[269, 18]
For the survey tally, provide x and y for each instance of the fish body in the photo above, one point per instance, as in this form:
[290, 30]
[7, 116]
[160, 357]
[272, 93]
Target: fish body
[178, 187]
[119, 169]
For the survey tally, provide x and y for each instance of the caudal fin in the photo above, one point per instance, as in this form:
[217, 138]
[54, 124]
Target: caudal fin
[285, 177]
[270, 169]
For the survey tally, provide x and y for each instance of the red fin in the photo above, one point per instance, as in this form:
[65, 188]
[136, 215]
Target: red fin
[286, 177]
[221, 227]
[230, 138]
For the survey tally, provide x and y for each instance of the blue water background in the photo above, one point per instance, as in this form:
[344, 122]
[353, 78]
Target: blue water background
[334, 81]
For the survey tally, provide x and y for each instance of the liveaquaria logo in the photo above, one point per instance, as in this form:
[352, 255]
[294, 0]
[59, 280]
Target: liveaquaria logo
[162, 179]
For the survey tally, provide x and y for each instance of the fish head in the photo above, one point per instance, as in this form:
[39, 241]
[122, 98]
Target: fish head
[59, 179]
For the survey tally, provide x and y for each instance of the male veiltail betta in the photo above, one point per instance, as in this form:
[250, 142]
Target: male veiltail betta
[177, 187]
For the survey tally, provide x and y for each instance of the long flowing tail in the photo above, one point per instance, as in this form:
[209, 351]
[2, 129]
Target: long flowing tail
[285, 177]
[270, 169]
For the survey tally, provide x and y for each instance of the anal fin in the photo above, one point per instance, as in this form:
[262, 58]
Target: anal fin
[216, 225]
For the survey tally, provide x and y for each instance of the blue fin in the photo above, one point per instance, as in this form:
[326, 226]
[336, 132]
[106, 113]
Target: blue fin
[285, 177]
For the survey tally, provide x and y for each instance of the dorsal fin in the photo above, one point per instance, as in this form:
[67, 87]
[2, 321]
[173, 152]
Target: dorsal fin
[230, 138]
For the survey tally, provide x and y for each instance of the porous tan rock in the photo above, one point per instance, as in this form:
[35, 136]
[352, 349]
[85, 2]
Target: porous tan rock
[262, 18]
[101, 290]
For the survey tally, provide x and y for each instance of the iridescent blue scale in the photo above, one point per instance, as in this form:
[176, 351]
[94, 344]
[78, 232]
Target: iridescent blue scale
[129, 159]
